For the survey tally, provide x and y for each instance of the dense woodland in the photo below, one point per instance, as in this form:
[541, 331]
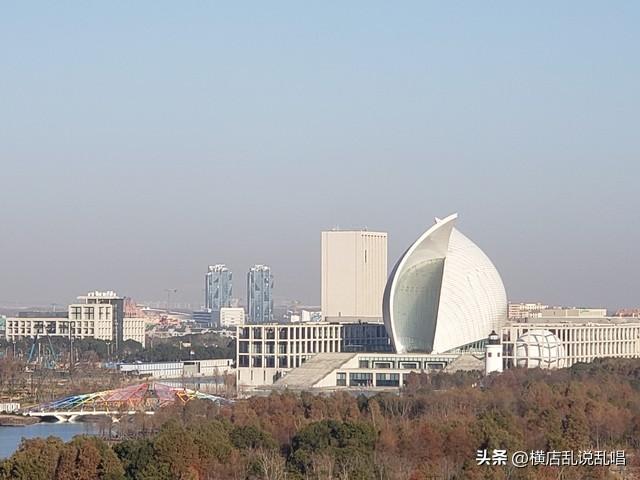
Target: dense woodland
[431, 431]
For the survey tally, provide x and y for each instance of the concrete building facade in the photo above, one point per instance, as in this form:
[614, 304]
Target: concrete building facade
[519, 311]
[187, 368]
[265, 352]
[580, 339]
[231, 317]
[99, 316]
[353, 274]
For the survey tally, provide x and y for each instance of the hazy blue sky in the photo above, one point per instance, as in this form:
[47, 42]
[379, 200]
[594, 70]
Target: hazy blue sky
[141, 141]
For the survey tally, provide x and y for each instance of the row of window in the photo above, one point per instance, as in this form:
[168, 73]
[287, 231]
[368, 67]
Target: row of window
[363, 379]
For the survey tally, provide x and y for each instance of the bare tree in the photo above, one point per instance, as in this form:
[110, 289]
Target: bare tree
[271, 464]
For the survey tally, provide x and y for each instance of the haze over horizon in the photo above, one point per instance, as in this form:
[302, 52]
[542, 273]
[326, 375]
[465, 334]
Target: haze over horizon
[141, 142]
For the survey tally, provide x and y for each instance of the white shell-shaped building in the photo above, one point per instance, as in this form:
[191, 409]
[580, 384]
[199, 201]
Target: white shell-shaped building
[443, 294]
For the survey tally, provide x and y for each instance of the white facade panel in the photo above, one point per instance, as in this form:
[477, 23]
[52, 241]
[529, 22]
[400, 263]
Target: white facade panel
[231, 317]
[354, 273]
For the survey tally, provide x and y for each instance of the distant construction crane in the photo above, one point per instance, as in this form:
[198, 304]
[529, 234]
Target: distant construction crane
[169, 292]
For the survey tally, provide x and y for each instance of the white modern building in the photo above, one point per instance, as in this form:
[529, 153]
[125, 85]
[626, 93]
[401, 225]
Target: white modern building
[522, 311]
[99, 316]
[366, 371]
[265, 353]
[548, 342]
[444, 294]
[519, 311]
[231, 317]
[353, 275]
[444, 307]
[574, 312]
[188, 368]
[134, 328]
[53, 324]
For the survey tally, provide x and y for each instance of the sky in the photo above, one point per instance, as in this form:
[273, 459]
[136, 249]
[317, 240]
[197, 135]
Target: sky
[141, 141]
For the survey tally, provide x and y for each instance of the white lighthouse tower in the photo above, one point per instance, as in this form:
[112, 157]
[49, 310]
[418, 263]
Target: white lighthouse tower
[493, 355]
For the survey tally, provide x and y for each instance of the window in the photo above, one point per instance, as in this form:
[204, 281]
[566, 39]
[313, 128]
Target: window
[387, 379]
[381, 364]
[341, 379]
[361, 379]
[409, 365]
[76, 313]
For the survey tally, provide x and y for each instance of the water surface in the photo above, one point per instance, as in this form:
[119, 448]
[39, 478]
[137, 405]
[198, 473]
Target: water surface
[10, 437]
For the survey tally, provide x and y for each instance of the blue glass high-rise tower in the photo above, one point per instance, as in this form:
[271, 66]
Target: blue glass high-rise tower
[218, 288]
[259, 294]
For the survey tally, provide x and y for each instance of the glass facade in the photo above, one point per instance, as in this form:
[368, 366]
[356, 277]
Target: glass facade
[360, 379]
[218, 288]
[387, 379]
[260, 294]
[365, 337]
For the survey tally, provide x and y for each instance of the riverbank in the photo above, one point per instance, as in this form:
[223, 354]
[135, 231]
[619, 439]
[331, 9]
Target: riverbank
[8, 420]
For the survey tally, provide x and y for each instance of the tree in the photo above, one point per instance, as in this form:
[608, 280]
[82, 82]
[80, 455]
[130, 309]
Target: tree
[35, 459]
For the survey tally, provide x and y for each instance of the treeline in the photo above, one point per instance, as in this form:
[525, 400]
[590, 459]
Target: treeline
[90, 350]
[433, 430]
[187, 347]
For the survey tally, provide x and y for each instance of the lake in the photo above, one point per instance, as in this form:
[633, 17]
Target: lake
[10, 437]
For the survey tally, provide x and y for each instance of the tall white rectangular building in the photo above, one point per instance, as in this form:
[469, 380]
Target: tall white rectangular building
[354, 274]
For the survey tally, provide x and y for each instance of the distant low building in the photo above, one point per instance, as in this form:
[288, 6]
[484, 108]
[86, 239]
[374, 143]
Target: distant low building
[203, 318]
[573, 312]
[187, 368]
[518, 311]
[231, 317]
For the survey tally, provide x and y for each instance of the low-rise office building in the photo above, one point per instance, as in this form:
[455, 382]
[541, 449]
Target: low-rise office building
[548, 342]
[371, 371]
[265, 352]
[100, 316]
[187, 368]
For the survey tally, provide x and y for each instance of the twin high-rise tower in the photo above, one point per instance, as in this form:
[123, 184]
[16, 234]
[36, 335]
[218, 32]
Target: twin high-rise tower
[260, 294]
[219, 292]
[218, 287]
[354, 275]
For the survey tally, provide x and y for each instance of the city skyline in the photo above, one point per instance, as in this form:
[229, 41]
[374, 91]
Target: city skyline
[236, 135]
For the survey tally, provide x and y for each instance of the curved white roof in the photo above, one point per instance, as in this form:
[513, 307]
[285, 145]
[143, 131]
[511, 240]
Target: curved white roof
[443, 293]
